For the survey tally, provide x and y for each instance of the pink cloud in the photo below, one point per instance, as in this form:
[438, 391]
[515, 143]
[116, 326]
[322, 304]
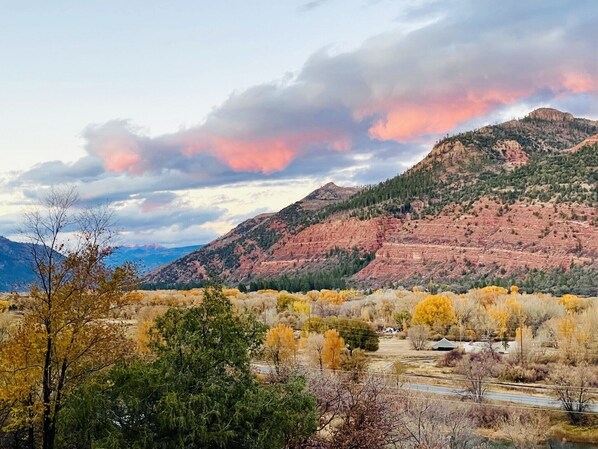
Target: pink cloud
[580, 82]
[121, 161]
[410, 119]
[117, 146]
[266, 154]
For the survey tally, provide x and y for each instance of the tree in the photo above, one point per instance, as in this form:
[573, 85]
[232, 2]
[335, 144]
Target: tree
[66, 335]
[436, 311]
[284, 301]
[397, 370]
[425, 422]
[418, 337]
[506, 313]
[280, 347]
[523, 337]
[476, 369]
[199, 390]
[489, 295]
[355, 363]
[333, 347]
[573, 387]
[572, 303]
[314, 348]
[356, 333]
[354, 415]
[402, 319]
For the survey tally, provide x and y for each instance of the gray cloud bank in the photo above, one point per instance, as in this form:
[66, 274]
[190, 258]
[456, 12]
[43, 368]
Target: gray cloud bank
[467, 62]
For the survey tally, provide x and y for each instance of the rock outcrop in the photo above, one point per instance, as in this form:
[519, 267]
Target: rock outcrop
[551, 114]
[512, 153]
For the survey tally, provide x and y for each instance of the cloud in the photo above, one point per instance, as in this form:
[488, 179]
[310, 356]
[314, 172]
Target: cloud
[133, 217]
[357, 115]
[157, 200]
[313, 4]
[395, 88]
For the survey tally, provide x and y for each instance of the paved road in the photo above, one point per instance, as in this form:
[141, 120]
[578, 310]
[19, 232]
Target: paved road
[518, 398]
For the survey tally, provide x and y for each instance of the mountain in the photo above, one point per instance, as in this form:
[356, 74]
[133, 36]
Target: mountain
[15, 266]
[16, 270]
[514, 200]
[147, 257]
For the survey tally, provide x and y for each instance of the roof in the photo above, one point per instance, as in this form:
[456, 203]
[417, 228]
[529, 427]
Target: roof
[444, 344]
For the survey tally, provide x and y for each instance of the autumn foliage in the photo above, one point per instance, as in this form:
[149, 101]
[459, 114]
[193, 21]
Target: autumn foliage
[333, 347]
[436, 311]
[280, 346]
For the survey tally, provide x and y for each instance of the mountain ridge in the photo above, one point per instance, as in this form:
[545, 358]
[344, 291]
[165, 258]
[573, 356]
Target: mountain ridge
[147, 257]
[503, 198]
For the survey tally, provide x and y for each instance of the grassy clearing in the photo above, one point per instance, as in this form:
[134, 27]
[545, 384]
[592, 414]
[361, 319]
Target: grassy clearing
[576, 434]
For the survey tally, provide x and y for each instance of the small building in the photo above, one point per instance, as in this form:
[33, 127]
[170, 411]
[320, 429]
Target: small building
[444, 345]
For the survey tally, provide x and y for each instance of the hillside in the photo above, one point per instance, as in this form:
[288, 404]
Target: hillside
[15, 267]
[505, 200]
[147, 257]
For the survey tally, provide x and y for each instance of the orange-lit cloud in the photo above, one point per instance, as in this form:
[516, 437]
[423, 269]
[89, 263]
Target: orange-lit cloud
[121, 161]
[579, 82]
[409, 120]
[267, 154]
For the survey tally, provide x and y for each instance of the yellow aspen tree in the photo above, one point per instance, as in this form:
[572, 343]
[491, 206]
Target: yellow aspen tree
[566, 330]
[333, 348]
[302, 307]
[436, 311]
[280, 347]
[500, 315]
[490, 294]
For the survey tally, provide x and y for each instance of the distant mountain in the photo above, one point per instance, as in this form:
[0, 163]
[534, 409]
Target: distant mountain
[510, 201]
[16, 269]
[15, 266]
[148, 257]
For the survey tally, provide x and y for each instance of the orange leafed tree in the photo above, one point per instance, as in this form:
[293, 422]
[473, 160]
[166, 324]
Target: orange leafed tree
[67, 334]
[333, 348]
[281, 346]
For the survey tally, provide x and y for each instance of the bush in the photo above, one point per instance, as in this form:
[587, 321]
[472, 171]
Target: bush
[450, 359]
[418, 337]
[488, 416]
[525, 374]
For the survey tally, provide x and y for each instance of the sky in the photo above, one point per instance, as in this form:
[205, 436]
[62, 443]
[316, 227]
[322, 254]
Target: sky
[187, 117]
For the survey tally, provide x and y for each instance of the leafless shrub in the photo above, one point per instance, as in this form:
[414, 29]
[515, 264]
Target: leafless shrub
[488, 416]
[418, 337]
[355, 415]
[525, 429]
[427, 422]
[314, 348]
[476, 369]
[574, 387]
